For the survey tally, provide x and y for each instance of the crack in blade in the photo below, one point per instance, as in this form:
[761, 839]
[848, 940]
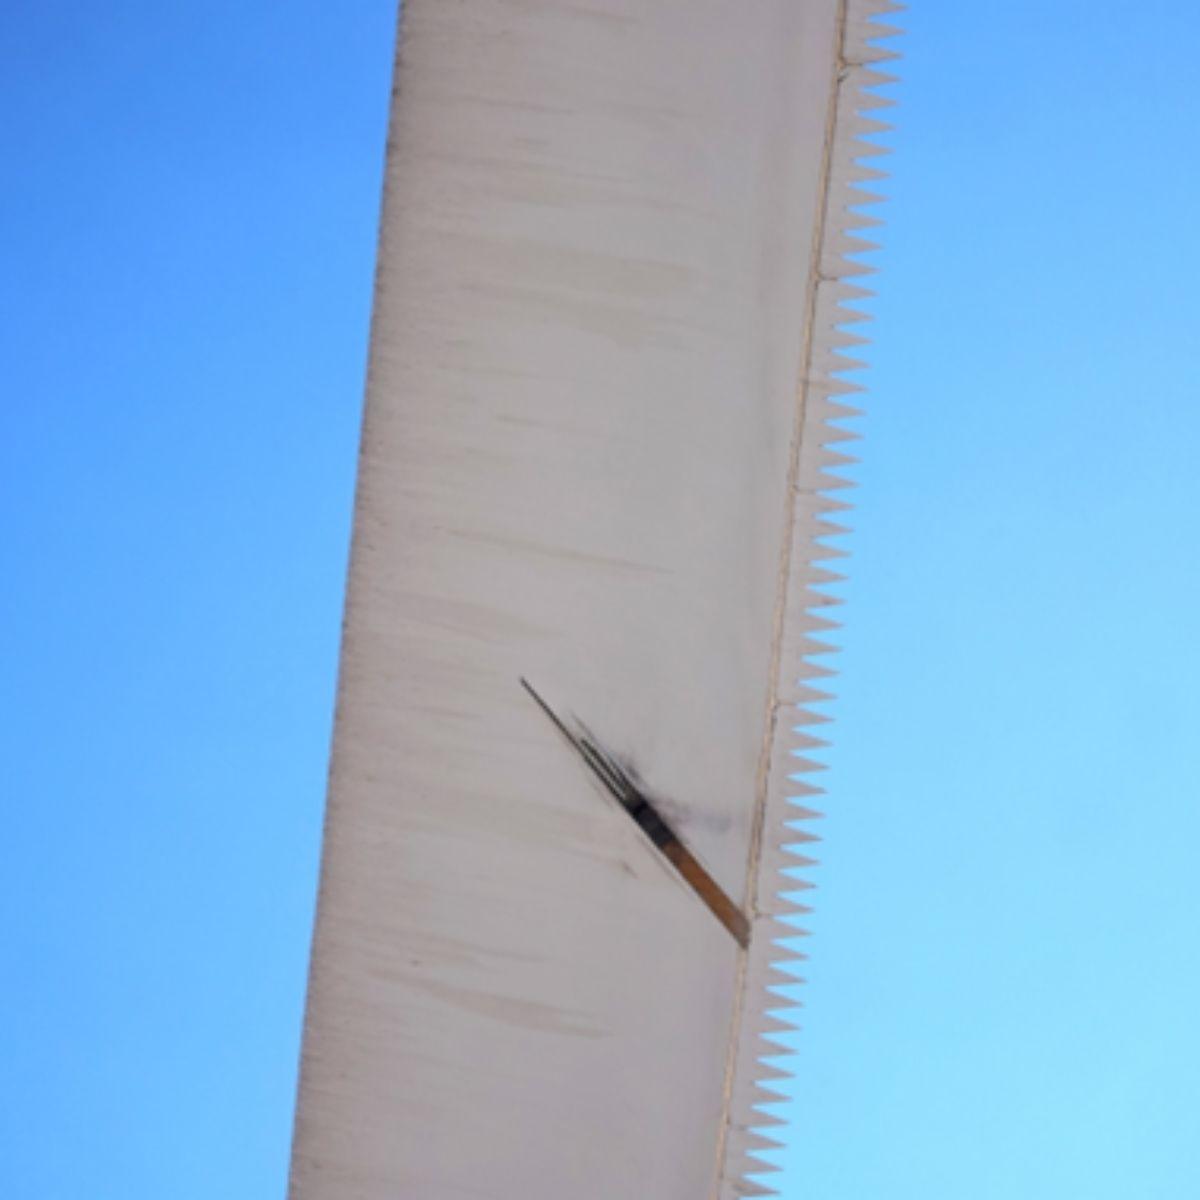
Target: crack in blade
[645, 814]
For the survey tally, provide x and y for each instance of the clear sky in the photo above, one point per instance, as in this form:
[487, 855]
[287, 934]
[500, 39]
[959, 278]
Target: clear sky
[1005, 974]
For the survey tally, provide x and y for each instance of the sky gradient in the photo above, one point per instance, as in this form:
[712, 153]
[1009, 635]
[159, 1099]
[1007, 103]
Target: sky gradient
[1004, 974]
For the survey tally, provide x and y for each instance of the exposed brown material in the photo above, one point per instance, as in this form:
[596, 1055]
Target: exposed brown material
[707, 888]
[619, 783]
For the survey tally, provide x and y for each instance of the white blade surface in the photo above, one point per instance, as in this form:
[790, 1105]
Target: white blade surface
[593, 457]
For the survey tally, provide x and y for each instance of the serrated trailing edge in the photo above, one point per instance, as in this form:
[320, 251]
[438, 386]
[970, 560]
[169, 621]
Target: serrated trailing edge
[768, 1003]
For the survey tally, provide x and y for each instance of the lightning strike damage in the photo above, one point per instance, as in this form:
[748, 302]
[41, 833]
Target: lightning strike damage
[619, 784]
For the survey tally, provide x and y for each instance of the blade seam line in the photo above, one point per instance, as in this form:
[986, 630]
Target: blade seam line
[781, 596]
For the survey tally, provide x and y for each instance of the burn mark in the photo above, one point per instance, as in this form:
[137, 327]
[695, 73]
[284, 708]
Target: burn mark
[621, 783]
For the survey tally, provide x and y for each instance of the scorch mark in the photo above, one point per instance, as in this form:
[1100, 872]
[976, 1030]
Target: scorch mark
[620, 783]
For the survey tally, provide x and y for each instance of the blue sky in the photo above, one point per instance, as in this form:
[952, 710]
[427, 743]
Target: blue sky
[1004, 974]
